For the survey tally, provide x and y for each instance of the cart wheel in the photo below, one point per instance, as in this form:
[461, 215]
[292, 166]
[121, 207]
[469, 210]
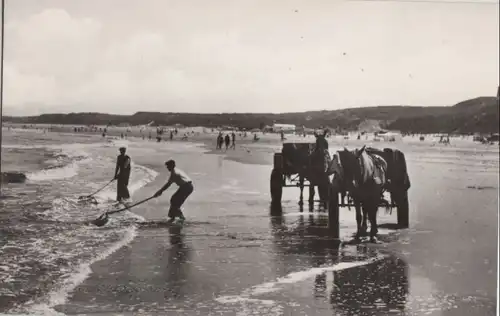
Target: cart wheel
[403, 209]
[276, 185]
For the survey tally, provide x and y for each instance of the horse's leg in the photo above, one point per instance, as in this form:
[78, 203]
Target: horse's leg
[364, 225]
[324, 196]
[321, 194]
[312, 193]
[372, 213]
[357, 206]
[325, 192]
[301, 186]
[362, 210]
[317, 189]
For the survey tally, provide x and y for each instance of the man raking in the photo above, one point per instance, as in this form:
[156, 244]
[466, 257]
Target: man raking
[122, 174]
[185, 189]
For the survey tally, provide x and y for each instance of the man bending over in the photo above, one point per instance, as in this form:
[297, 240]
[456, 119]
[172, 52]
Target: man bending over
[185, 189]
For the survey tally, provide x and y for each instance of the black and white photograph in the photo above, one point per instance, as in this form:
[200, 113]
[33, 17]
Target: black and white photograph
[249, 157]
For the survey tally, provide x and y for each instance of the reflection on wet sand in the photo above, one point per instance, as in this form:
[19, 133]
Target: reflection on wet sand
[177, 268]
[308, 234]
[377, 288]
[168, 266]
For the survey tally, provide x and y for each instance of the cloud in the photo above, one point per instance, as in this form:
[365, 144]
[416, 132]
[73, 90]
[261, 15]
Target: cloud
[46, 56]
[243, 58]
[22, 88]
[52, 43]
[63, 61]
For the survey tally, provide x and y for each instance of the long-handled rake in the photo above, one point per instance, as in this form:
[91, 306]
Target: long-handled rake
[104, 218]
[91, 197]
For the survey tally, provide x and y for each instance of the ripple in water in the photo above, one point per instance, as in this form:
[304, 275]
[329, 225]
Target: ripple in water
[48, 251]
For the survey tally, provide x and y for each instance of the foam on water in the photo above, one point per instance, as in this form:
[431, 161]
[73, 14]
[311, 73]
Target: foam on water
[70, 148]
[59, 256]
[255, 306]
[140, 176]
[299, 276]
[65, 250]
[75, 152]
[64, 172]
[81, 273]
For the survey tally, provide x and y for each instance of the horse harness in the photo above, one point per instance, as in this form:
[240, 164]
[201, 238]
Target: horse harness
[380, 165]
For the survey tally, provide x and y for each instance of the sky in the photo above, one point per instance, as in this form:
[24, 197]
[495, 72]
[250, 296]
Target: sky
[211, 56]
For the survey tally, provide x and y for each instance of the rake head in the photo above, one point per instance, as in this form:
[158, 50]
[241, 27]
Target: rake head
[101, 220]
[88, 199]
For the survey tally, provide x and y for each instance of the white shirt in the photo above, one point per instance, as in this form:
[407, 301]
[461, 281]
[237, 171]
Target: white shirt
[178, 177]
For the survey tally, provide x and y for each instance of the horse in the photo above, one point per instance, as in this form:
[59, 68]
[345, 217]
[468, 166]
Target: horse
[318, 170]
[310, 162]
[364, 176]
[321, 141]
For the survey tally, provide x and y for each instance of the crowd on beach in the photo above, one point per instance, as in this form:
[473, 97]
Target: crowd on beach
[228, 138]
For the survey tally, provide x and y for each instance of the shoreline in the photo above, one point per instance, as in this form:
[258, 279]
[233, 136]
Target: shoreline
[412, 252]
[415, 250]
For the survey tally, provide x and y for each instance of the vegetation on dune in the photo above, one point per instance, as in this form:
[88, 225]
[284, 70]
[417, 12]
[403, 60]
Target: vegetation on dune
[479, 115]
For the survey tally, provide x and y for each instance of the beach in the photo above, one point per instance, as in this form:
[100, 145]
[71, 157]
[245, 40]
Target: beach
[235, 255]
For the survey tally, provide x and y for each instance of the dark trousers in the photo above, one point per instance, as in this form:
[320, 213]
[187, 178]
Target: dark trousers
[122, 189]
[178, 198]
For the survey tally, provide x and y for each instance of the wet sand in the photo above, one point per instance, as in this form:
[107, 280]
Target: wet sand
[229, 245]
[224, 258]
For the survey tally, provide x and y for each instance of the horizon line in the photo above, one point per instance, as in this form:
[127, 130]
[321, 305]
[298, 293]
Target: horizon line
[268, 113]
[232, 113]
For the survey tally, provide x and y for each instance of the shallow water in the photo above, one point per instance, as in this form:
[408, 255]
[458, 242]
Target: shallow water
[232, 257]
[43, 238]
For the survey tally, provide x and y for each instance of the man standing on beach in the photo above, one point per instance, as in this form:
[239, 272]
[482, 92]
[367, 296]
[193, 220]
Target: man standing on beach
[233, 140]
[185, 189]
[227, 140]
[122, 174]
[219, 140]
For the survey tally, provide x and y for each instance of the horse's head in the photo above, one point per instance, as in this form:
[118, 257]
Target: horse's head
[351, 167]
[321, 142]
[336, 168]
[359, 152]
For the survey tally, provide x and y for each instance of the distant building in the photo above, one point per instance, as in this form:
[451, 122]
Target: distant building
[283, 127]
[389, 136]
[304, 130]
